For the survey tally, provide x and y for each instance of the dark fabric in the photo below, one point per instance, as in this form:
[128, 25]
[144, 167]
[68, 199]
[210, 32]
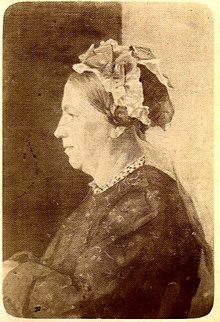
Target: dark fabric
[117, 256]
[156, 96]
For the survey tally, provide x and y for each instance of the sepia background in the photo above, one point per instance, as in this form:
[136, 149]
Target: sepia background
[41, 42]
[181, 34]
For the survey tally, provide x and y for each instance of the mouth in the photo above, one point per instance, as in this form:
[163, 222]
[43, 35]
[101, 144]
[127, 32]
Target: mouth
[68, 150]
[67, 147]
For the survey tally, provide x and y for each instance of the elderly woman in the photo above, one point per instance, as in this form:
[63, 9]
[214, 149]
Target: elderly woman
[132, 249]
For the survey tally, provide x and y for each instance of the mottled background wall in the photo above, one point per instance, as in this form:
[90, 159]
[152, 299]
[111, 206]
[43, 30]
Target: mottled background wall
[41, 42]
[181, 34]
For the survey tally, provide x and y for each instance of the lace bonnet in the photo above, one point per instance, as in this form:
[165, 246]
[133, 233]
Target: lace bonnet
[117, 68]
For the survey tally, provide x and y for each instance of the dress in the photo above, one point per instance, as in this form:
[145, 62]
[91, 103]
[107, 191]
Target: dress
[130, 251]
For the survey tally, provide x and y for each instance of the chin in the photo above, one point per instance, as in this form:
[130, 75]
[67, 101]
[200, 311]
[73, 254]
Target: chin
[86, 171]
[76, 163]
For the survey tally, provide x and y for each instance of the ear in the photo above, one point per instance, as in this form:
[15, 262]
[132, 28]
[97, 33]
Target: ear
[121, 115]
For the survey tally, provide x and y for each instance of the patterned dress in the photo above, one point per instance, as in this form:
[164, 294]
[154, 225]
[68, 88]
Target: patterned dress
[129, 251]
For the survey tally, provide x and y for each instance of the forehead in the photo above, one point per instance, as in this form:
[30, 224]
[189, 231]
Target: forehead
[75, 102]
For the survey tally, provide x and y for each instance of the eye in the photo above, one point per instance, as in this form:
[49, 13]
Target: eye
[71, 111]
[74, 116]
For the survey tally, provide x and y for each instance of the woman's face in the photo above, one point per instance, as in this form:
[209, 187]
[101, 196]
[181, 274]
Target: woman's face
[83, 129]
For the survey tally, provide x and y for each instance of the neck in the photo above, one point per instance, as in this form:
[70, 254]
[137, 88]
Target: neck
[116, 156]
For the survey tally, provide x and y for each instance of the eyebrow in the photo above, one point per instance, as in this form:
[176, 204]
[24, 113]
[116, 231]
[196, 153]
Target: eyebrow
[70, 108]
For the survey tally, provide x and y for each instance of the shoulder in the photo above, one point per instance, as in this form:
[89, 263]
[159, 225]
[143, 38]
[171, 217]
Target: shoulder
[150, 177]
[155, 175]
[150, 193]
[142, 195]
[134, 187]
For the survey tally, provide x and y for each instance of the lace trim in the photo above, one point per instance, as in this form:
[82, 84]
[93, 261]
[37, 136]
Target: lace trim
[123, 174]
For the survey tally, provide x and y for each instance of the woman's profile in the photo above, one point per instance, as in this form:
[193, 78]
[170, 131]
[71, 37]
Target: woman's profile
[132, 249]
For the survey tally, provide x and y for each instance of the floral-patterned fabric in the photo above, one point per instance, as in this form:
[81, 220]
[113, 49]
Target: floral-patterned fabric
[128, 252]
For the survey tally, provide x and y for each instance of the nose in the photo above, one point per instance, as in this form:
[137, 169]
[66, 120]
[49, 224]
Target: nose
[61, 130]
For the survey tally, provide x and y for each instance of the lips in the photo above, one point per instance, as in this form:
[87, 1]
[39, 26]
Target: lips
[68, 150]
[67, 146]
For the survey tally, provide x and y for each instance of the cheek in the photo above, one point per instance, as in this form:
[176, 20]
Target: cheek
[77, 131]
[94, 136]
[91, 127]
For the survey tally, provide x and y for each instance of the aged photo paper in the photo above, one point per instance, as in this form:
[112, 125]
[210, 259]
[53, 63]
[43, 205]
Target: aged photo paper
[43, 43]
